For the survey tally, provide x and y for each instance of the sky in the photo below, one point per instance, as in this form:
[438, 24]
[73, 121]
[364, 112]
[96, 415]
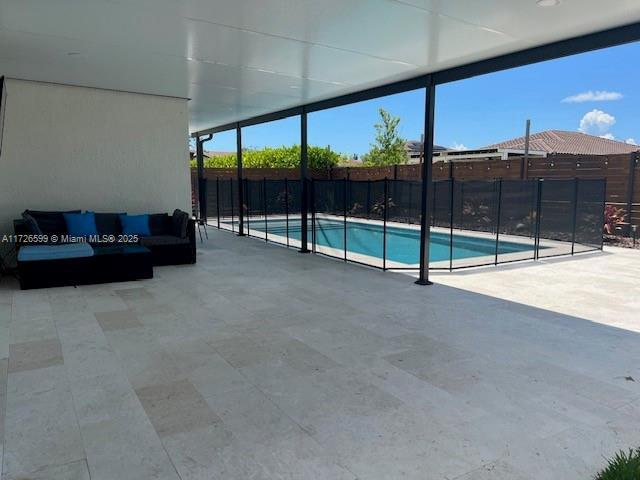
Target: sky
[597, 93]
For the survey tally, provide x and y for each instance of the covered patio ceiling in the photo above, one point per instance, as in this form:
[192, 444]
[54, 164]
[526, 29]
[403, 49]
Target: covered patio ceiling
[240, 59]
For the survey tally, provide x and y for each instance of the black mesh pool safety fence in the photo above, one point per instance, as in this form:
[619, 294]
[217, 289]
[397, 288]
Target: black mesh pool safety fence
[377, 223]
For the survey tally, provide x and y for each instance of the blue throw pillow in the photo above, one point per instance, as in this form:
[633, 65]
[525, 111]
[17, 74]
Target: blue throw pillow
[80, 224]
[135, 225]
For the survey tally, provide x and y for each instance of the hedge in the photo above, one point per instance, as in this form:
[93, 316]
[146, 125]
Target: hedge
[276, 157]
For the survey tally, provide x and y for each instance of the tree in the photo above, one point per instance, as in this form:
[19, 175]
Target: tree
[389, 147]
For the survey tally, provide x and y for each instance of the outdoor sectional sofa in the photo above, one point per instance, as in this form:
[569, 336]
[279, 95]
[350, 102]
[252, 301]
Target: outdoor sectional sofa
[49, 257]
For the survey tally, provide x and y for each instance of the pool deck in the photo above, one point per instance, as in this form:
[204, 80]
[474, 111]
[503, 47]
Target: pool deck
[262, 363]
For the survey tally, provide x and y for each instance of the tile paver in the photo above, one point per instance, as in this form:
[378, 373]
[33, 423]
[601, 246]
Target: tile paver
[262, 363]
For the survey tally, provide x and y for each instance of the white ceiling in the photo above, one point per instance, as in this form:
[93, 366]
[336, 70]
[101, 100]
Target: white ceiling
[236, 59]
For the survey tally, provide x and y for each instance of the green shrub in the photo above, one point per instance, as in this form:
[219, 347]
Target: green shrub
[623, 466]
[276, 157]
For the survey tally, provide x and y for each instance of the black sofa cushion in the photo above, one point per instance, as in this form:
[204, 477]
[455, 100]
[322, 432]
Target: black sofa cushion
[158, 240]
[160, 224]
[180, 220]
[108, 223]
[50, 223]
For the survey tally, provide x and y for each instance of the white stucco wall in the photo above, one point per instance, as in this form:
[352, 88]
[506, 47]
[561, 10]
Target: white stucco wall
[66, 147]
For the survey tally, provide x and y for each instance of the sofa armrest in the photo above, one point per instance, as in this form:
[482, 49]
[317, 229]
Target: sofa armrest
[20, 227]
[191, 234]
[191, 231]
[24, 235]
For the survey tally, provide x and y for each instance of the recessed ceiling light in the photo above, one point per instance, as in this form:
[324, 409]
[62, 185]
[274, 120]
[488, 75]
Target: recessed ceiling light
[548, 3]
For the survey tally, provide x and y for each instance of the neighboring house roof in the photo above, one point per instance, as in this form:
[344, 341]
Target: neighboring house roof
[210, 154]
[192, 154]
[216, 153]
[576, 143]
[416, 146]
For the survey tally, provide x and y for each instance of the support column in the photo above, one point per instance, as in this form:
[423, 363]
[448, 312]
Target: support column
[304, 192]
[427, 185]
[202, 182]
[240, 186]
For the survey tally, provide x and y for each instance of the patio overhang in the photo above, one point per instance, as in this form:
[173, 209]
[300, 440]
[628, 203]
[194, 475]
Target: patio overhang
[550, 51]
[254, 61]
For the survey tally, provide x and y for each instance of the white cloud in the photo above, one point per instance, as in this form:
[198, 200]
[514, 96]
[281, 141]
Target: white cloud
[630, 141]
[596, 122]
[458, 146]
[608, 136]
[591, 96]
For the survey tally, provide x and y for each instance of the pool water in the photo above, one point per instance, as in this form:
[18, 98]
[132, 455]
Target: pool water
[403, 244]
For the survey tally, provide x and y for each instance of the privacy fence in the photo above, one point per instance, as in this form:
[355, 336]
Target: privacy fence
[622, 174]
[376, 222]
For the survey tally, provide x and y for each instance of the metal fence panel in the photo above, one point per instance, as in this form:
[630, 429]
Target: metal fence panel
[442, 234]
[517, 221]
[276, 200]
[402, 242]
[365, 218]
[329, 222]
[441, 206]
[556, 223]
[590, 201]
[225, 208]
[253, 208]
[473, 223]
[404, 201]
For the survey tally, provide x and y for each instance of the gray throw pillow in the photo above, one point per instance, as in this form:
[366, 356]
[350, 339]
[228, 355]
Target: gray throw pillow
[31, 223]
[179, 220]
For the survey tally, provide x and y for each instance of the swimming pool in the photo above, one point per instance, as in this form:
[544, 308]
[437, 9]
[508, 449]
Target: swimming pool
[403, 243]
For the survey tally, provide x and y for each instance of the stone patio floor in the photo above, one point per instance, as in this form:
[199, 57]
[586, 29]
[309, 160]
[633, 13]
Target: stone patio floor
[262, 363]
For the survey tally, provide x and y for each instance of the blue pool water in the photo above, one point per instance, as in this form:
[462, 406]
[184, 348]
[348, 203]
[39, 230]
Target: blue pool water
[403, 244]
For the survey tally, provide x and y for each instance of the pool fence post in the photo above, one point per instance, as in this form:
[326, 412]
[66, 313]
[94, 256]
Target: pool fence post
[264, 208]
[344, 210]
[286, 208]
[240, 189]
[247, 192]
[499, 212]
[452, 202]
[427, 184]
[202, 182]
[576, 181]
[410, 195]
[461, 203]
[218, 200]
[368, 207]
[384, 223]
[313, 215]
[633, 161]
[604, 203]
[231, 195]
[538, 218]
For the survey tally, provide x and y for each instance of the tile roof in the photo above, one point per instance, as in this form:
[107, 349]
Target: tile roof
[416, 146]
[210, 154]
[577, 143]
